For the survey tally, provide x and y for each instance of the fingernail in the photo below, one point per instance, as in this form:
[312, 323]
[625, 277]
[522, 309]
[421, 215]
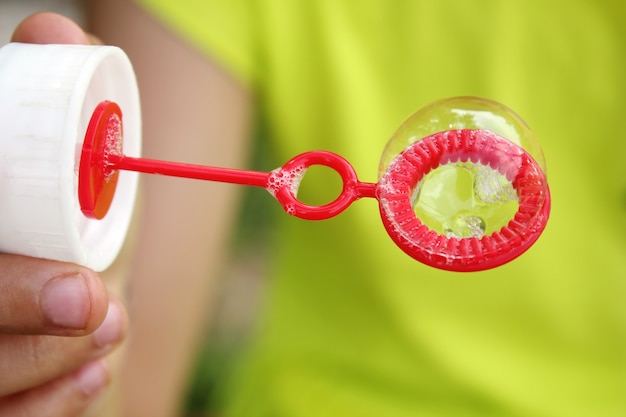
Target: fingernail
[65, 301]
[92, 377]
[112, 328]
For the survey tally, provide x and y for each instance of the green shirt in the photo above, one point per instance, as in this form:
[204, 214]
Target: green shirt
[355, 328]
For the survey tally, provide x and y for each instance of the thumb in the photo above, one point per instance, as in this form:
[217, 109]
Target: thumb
[47, 297]
[48, 27]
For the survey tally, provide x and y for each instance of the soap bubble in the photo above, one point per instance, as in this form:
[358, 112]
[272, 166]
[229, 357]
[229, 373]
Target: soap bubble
[462, 113]
[463, 199]
[462, 185]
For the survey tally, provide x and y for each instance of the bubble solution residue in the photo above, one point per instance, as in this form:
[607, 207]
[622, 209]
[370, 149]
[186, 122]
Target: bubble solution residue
[465, 199]
[112, 143]
[280, 178]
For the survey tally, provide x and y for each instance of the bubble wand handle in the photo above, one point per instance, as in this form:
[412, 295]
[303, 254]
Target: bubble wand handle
[102, 159]
[183, 170]
[282, 183]
[397, 191]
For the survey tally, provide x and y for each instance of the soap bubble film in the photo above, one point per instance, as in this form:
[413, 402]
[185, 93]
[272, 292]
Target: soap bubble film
[462, 185]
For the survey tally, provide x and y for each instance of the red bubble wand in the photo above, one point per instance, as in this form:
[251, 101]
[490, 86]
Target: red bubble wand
[102, 159]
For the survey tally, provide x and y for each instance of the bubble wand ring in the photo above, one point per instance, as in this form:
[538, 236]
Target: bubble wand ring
[102, 158]
[283, 185]
[397, 187]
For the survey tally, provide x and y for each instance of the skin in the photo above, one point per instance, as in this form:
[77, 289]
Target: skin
[169, 286]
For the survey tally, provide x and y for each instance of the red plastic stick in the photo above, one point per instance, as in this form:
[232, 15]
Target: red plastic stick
[199, 172]
[102, 159]
[282, 183]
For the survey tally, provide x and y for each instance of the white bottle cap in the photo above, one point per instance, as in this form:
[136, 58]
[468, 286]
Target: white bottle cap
[47, 96]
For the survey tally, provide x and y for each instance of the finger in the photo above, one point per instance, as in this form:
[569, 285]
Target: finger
[67, 396]
[47, 297]
[29, 361]
[47, 27]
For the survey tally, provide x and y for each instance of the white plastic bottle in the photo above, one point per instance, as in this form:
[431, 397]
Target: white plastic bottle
[47, 96]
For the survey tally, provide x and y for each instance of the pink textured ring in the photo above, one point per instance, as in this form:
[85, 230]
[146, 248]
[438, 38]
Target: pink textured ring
[396, 189]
